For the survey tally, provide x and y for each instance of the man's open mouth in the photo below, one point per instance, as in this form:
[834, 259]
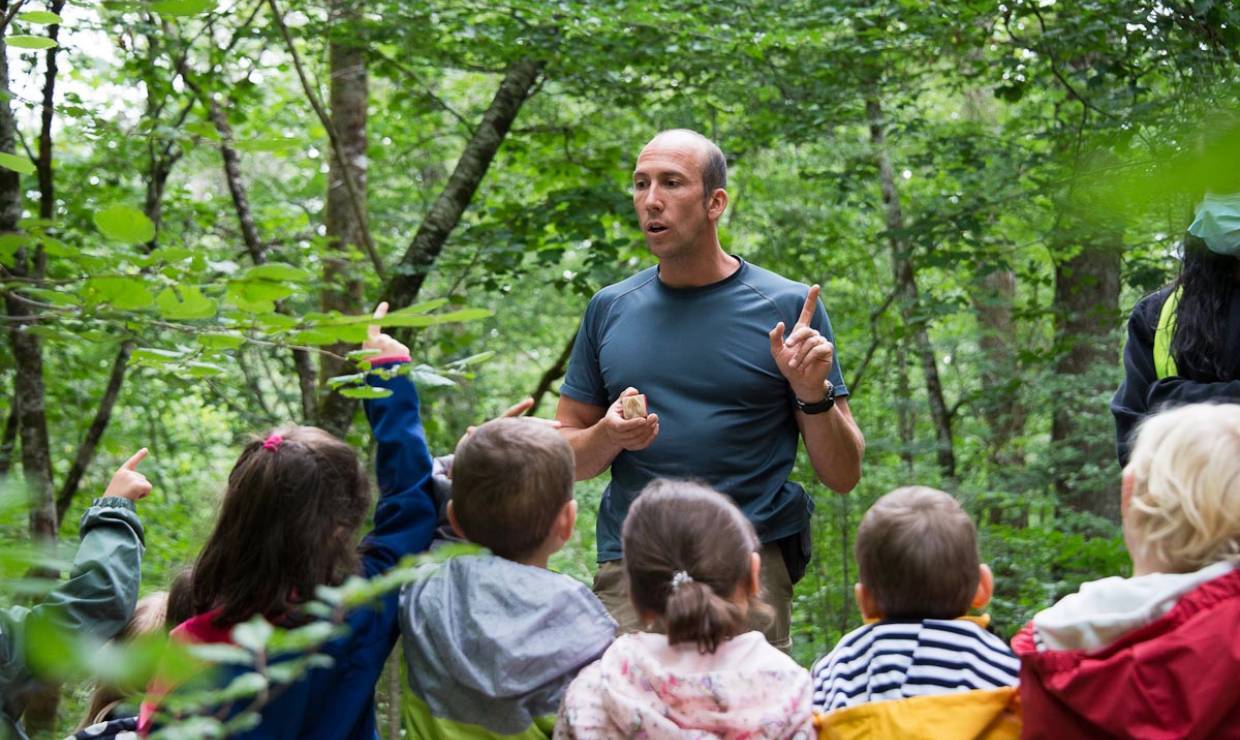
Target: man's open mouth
[655, 228]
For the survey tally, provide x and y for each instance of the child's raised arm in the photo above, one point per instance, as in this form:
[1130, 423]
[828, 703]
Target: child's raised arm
[99, 597]
[405, 516]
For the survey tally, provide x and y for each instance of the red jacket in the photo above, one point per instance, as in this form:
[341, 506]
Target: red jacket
[1176, 677]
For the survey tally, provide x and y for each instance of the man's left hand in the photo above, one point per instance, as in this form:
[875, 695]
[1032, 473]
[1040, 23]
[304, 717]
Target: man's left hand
[805, 356]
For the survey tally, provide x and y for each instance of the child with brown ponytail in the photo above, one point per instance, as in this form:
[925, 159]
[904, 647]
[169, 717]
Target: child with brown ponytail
[692, 560]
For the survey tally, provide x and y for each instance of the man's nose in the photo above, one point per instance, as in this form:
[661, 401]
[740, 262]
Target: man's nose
[652, 198]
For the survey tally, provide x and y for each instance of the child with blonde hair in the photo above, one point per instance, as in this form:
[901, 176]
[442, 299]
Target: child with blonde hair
[1155, 655]
[692, 561]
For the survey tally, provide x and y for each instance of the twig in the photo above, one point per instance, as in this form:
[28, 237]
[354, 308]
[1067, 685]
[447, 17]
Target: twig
[8, 18]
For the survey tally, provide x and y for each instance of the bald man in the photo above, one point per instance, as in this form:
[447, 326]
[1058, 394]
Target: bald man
[736, 363]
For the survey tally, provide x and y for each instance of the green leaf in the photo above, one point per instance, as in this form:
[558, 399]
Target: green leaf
[183, 8]
[203, 129]
[29, 42]
[221, 653]
[14, 162]
[402, 318]
[365, 391]
[243, 687]
[424, 376]
[276, 271]
[221, 341]
[125, 224]
[343, 380]
[315, 337]
[185, 302]
[56, 248]
[124, 292]
[204, 370]
[39, 17]
[253, 635]
[152, 357]
[10, 243]
[54, 297]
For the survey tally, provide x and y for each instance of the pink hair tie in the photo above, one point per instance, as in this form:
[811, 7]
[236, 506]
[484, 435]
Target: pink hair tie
[272, 443]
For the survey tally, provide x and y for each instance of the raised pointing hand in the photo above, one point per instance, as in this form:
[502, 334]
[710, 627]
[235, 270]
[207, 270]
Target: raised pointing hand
[377, 340]
[127, 482]
[805, 356]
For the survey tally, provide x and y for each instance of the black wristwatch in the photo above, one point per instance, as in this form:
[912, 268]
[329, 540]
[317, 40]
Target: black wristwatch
[819, 407]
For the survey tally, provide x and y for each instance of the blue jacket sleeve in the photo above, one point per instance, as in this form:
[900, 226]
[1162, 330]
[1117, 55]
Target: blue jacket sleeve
[405, 516]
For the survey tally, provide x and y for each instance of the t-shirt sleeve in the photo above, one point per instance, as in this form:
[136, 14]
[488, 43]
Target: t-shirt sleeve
[822, 323]
[584, 379]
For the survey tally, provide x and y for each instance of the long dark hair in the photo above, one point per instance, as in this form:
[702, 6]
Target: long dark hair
[1199, 343]
[681, 527]
[286, 525]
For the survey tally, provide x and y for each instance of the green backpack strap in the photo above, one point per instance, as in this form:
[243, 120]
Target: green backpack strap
[1164, 363]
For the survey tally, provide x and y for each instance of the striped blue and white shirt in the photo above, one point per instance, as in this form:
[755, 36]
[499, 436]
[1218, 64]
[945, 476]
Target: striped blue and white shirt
[896, 660]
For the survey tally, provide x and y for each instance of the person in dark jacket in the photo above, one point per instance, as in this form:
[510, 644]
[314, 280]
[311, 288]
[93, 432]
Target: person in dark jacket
[1184, 340]
[1153, 656]
[97, 600]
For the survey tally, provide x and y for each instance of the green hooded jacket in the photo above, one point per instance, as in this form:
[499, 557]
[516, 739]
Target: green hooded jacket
[97, 600]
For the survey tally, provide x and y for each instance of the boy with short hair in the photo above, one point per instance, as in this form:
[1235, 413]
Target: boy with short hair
[1155, 655]
[493, 640]
[920, 573]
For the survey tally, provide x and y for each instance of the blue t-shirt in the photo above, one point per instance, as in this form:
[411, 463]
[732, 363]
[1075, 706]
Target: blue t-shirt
[703, 358]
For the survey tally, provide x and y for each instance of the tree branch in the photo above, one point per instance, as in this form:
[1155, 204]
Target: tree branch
[354, 193]
[447, 209]
[98, 425]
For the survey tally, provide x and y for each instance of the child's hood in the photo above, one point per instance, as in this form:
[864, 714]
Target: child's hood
[486, 637]
[746, 689]
[1173, 674]
[1105, 610]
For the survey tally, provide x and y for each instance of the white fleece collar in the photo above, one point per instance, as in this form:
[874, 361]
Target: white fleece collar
[1105, 610]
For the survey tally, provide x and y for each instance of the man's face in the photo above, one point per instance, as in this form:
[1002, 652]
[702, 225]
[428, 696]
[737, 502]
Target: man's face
[668, 198]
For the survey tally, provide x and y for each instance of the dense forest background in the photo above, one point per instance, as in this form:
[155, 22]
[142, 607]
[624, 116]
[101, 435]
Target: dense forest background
[196, 195]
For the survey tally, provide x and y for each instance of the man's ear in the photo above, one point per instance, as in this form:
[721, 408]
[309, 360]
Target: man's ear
[716, 204]
[456, 526]
[866, 602]
[985, 587]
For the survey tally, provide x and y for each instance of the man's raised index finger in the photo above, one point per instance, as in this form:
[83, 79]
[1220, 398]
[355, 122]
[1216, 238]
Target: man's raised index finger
[811, 302]
[132, 462]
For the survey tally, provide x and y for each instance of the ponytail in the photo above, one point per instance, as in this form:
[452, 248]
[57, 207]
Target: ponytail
[695, 613]
[688, 555]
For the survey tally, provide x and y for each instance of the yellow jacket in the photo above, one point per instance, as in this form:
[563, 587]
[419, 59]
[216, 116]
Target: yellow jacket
[993, 714]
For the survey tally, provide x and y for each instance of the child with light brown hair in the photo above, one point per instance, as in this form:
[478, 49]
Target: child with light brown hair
[920, 574]
[493, 639]
[1155, 655]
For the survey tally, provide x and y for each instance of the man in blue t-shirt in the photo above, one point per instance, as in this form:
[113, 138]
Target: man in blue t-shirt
[728, 389]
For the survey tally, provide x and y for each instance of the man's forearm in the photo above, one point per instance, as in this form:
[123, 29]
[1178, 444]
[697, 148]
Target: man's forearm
[835, 446]
[591, 450]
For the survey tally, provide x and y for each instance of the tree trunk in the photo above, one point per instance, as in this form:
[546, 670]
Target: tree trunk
[10, 438]
[1087, 289]
[27, 352]
[517, 86]
[906, 286]
[342, 286]
[1001, 405]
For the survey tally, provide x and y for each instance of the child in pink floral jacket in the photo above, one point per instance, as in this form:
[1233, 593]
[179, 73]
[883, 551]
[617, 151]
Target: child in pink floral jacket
[692, 561]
